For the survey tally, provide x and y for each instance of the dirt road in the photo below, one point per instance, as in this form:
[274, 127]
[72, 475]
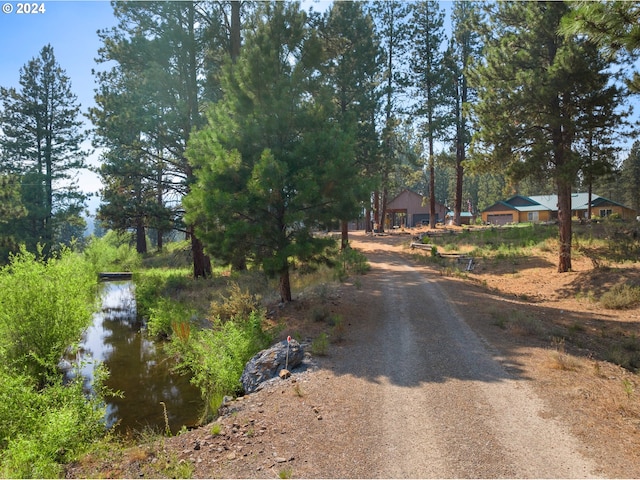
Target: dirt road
[439, 402]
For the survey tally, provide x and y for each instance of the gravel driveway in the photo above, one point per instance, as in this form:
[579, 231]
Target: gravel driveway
[439, 402]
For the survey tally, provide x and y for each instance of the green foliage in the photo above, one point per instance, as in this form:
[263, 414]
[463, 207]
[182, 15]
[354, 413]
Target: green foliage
[43, 422]
[621, 296]
[152, 285]
[239, 304]
[216, 356]
[41, 143]
[320, 344]
[166, 317]
[46, 304]
[112, 252]
[351, 261]
[43, 429]
[272, 163]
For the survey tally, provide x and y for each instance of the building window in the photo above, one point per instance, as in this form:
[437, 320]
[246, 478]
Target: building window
[605, 212]
[532, 216]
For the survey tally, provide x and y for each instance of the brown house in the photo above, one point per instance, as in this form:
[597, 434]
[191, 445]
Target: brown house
[544, 208]
[410, 209]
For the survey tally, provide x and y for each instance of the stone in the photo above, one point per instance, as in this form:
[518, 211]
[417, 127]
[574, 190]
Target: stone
[284, 373]
[268, 363]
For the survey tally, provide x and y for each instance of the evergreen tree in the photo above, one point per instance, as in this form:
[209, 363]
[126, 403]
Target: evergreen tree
[614, 26]
[41, 142]
[168, 56]
[393, 30]
[270, 162]
[11, 209]
[463, 52]
[540, 96]
[431, 84]
[630, 174]
[351, 71]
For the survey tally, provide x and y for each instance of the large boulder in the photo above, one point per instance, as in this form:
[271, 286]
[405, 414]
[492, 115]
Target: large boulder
[267, 364]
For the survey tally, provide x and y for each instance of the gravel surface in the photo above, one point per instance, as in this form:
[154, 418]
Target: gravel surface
[439, 401]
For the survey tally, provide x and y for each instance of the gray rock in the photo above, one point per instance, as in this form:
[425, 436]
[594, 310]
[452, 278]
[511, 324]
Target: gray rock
[267, 364]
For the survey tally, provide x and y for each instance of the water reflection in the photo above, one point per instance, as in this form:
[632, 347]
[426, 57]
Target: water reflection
[138, 366]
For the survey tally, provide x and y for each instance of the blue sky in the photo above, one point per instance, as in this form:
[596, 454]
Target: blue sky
[70, 27]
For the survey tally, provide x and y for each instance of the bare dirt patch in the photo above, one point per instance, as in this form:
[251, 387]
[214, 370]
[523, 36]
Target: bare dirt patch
[544, 325]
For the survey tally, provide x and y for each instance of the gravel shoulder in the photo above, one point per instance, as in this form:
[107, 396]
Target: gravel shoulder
[422, 385]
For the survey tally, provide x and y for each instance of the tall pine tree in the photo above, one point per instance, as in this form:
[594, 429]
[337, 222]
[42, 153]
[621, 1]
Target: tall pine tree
[41, 142]
[393, 31]
[431, 84]
[168, 53]
[540, 96]
[269, 164]
[351, 71]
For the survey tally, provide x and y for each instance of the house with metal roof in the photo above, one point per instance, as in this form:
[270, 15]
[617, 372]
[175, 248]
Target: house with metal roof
[544, 208]
[410, 209]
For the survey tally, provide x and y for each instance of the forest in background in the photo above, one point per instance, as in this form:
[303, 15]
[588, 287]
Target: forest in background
[247, 126]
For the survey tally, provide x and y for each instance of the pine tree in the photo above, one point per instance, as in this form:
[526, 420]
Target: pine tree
[430, 82]
[541, 95]
[613, 26]
[351, 71]
[631, 177]
[269, 163]
[393, 30]
[463, 51]
[167, 58]
[41, 141]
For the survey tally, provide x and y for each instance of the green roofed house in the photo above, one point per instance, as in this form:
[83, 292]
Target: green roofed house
[544, 208]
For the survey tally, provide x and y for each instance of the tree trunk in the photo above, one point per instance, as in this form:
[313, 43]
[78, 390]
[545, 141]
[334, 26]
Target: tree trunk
[344, 242]
[432, 192]
[376, 211]
[159, 240]
[564, 219]
[141, 238]
[285, 285]
[235, 30]
[201, 262]
[383, 209]
[589, 199]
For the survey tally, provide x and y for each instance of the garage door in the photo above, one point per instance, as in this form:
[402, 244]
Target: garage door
[501, 219]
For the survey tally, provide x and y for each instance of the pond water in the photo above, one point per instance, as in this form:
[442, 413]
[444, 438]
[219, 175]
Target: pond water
[138, 368]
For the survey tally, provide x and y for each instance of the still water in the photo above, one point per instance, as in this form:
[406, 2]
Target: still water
[138, 367]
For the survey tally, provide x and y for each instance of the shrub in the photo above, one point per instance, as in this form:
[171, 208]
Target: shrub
[152, 285]
[41, 429]
[112, 252]
[166, 316]
[46, 305]
[239, 304]
[351, 261]
[621, 296]
[216, 356]
[320, 344]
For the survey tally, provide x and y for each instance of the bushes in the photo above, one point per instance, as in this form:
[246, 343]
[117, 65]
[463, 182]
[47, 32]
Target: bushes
[52, 426]
[621, 296]
[46, 305]
[112, 252]
[216, 356]
[351, 261]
